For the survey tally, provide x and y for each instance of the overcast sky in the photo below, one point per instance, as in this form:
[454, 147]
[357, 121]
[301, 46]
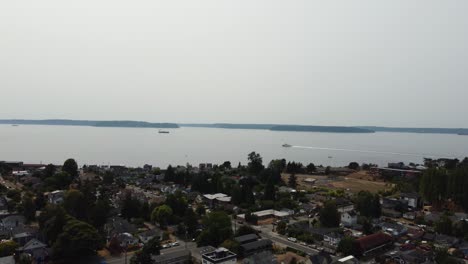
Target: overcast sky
[369, 62]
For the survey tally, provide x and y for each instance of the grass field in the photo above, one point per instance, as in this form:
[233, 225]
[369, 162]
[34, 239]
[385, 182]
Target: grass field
[359, 181]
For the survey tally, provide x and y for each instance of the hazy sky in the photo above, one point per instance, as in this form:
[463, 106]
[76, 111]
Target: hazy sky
[369, 62]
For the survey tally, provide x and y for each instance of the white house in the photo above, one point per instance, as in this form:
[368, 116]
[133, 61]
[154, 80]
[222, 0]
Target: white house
[349, 218]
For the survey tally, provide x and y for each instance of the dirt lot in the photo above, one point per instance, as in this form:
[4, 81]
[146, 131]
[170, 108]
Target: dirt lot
[354, 182]
[288, 257]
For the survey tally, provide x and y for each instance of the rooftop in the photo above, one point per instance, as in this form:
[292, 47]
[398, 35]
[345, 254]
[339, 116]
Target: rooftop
[219, 255]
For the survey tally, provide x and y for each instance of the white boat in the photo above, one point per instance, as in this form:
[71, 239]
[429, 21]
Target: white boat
[286, 146]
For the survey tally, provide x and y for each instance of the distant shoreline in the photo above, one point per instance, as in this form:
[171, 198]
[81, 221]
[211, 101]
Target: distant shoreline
[270, 127]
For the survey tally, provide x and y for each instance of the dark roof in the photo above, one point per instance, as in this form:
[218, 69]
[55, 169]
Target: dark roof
[256, 244]
[373, 241]
[413, 195]
[246, 238]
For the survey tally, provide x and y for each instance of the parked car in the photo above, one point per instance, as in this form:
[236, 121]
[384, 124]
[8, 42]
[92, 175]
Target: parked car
[166, 246]
[174, 244]
[292, 239]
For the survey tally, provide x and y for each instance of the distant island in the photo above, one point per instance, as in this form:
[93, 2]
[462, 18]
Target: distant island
[292, 128]
[459, 131]
[66, 122]
[270, 127]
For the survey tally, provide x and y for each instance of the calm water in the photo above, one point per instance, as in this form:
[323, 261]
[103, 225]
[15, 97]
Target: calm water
[137, 146]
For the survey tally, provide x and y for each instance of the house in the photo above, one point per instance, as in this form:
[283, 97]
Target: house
[117, 225]
[267, 214]
[22, 238]
[176, 257]
[391, 213]
[55, 197]
[394, 229]
[251, 244]
[285, 189]
[12, 221]
[148, 235]
[246, 238]
[126, 240]
[3, 203]
[38, 250]
[344, 205]
[444, 241]
[198, 253]
[321, 258]
[332, 239]
[219, 256]
[349, 219]
[372, 243]
[413, 200]
[255, 247]
[212, 200]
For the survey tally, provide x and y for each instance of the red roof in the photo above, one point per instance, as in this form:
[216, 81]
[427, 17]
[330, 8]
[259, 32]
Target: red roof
[372, 241]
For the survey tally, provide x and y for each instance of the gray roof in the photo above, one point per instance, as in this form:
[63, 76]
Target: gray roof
[33, 244]
[246, 238]
[256, 244]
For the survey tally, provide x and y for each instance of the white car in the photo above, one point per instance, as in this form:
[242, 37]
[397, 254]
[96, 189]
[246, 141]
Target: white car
[174, 244]
[292, 239]
[166, 246]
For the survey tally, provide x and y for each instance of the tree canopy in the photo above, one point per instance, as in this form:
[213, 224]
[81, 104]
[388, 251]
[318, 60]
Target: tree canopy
[217, 228]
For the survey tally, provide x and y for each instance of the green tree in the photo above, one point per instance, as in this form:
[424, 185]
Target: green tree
[270, 190]
[444, 225]
[277, 165]
[245, 230]
[368, 204]
[8, 248]
[232, 245]
[327, 170]
[51, 222]
[190, 221]
[108, 178]
[49, 171]
[152, 247]
[29, 208]
[329, 215]
[99, 213]
[201, 211]
[347, 246]
[281, 228]
[130, 207]
[292, 181]
[255, 165]
[77, 240]
[217, 229]
[162, 215]
[311, 168]
[40, 200]
[353, 165]
[169, 175]
[75, 204]
[71, 167]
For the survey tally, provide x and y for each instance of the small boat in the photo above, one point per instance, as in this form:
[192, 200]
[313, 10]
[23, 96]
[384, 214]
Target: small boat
[14, 125]
[163, 132]
[286, 146]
